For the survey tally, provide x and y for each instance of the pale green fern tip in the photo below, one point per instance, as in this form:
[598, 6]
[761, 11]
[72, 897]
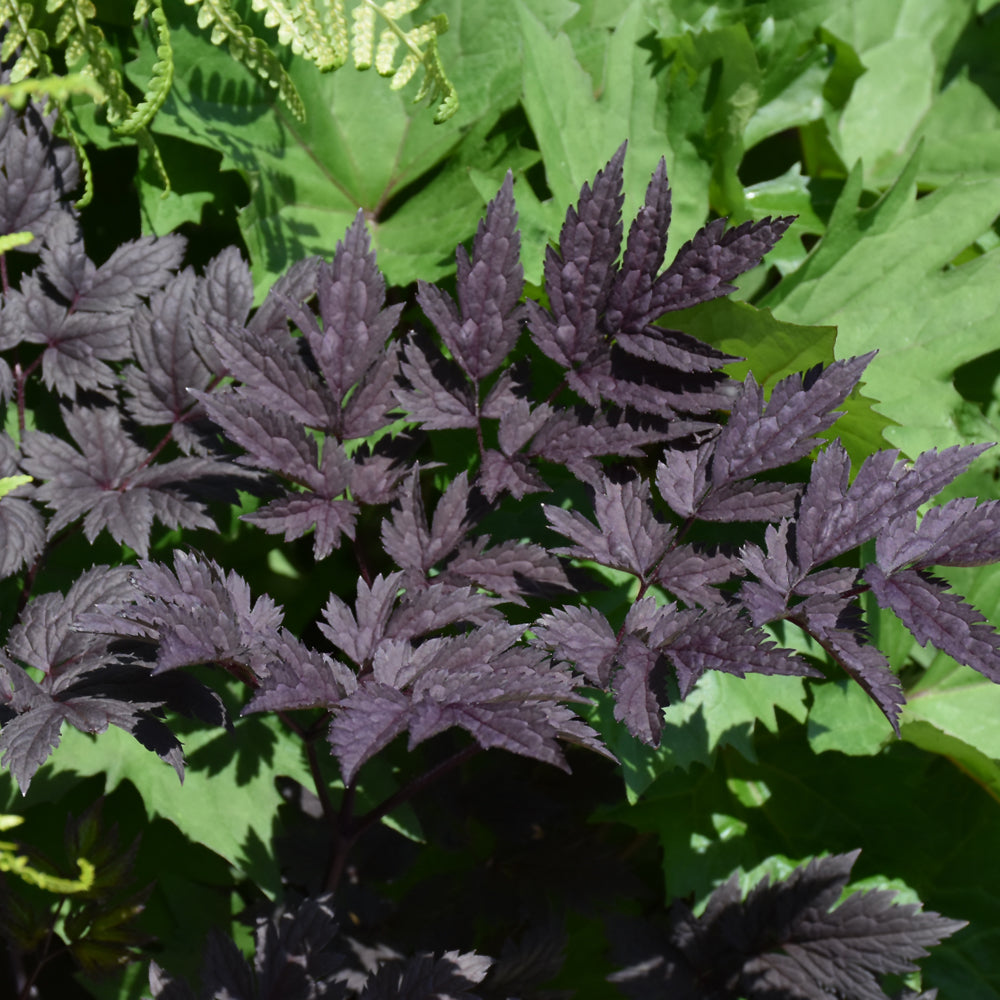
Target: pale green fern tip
[419, 43]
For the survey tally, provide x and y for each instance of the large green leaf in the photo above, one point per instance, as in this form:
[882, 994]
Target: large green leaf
[793, 64]
[951, 709]
[882, 275]
[723, 710]
[929, 74]
[580, 121]
[843, 717]
[229, 800]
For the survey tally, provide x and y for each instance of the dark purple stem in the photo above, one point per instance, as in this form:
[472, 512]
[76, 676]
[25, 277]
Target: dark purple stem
[350, 828]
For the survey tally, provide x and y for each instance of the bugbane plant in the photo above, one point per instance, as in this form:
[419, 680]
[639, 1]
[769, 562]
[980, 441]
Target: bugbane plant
[141, 394]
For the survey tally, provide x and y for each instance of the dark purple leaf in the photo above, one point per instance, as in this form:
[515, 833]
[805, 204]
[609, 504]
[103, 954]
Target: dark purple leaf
[959, 533]
[582, 637]
[787, 939]
[197, 614]
[273, 439]
[705, 265]
[503, 695]
[27, 740]
[371, 406]
[358, 634]
[636, 703]
[224, 298]
[44, 637]
[224, 969]
[484, 328]
[835, 517]
[511, 569]
[163, 343]
[164, 987]
[22, 534]
[777, 572]
[627, 535]
[296, 514]
[296, 285]
[451, 977]
[631, 294]
[355, 326]
[299, 677]
[77, 345]
[438, 605]
[758, 437]
[673, 349]
[438, 396]
[681, 478]
[934, 615]
[111, 483]
[135, 270]
[745, 501]
[574, 439]
[723, 640]
[579, 276]
[499, 473]
[297, 953]
[274, 375]
[409, 540]
[835, 622]
[38, 176]
[693, 575]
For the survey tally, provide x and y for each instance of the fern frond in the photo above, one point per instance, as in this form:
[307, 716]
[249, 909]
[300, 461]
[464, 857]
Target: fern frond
[163, 71]
[421, 43]
[32, 41]
[328, 32]
[87, 47]
[85, 168]
[251, 51]
[145, 142]
[303, 29]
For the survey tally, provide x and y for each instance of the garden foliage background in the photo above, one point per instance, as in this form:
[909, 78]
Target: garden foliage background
[878, 125]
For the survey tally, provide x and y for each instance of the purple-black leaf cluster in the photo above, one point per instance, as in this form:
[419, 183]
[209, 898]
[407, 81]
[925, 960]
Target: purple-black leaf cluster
[302, 954]
[795, 939]
[443, 597]
[84, 682]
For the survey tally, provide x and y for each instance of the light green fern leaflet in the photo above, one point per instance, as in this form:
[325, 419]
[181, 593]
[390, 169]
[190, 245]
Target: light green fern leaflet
[421, 48]
[20, 865]
[8, 483]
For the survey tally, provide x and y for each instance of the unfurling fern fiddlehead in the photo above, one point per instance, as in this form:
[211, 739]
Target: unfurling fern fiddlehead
[163, 70]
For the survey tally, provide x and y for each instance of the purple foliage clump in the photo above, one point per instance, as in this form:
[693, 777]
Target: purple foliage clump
[175, 395]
